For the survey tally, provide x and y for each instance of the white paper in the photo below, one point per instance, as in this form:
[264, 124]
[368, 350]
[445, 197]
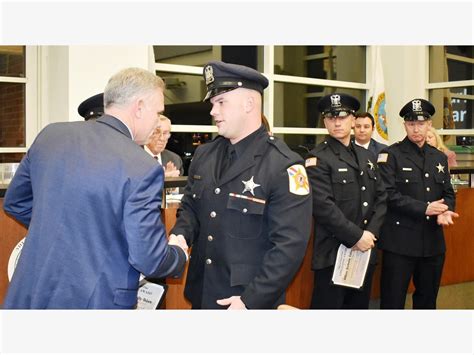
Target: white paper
[351, 267]
[149, 295]
[174, 197]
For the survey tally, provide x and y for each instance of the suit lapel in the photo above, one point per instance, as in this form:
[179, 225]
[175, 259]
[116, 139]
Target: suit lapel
[412, 155]
[246, 161]
[343, 154]
[165, 157]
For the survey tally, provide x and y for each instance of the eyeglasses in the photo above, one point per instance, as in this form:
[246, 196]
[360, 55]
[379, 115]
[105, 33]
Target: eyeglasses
[159, 133]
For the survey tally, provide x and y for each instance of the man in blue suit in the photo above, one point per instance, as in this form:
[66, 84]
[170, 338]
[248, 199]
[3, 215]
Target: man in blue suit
[363, 129]
[90, 198]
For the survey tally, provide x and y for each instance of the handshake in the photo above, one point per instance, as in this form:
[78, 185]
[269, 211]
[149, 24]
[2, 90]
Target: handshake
[179, 241]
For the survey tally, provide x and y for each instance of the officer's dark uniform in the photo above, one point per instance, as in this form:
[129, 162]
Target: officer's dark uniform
[247, 230]
[413, 243]
[92, 108]
[348, 198]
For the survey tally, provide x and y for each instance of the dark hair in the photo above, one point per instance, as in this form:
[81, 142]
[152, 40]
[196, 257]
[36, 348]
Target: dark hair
[366, 114]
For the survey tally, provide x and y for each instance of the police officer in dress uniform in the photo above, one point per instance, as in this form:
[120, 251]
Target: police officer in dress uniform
[420, 202]
[92, 108]
[349, 204]
[246, 210]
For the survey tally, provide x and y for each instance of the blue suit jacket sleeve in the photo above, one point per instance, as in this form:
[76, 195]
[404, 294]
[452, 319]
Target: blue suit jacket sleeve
[149, 252]
[19, 196]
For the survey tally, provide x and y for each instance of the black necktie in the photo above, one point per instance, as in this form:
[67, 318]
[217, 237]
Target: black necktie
[229, 159]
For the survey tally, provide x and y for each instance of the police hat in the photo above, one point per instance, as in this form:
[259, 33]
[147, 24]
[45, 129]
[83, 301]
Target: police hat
[417, 110]
[338, 104]
[93, 107]
[221, 77]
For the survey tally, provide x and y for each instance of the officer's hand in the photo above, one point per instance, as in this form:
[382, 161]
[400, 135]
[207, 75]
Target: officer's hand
[233, 302]
[446, 218]
[179, 241]
[436, 208]
[366, 242]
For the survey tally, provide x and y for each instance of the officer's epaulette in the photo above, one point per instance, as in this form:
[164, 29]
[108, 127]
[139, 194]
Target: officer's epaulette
[428, 146]
[280, 146]
[320, 147]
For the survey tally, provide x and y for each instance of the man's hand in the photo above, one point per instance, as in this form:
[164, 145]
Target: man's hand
[171, 170]
[366, 242]
[179, 241]
[446, 218]
[233, 302]
[435, 208]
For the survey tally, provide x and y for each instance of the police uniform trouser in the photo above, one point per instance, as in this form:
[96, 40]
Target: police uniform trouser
[328, 296]
[396, 273]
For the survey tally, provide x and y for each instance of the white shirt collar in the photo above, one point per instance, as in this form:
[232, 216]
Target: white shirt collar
[366, 145]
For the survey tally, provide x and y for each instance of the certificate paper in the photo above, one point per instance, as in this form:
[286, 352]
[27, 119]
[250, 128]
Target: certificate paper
[150, 295]
[351, 267]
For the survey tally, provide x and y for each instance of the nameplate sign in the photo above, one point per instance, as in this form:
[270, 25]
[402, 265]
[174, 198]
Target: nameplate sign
[150, 295]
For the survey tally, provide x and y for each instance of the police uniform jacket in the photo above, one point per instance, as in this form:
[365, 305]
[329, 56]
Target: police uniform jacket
[90, 198]
[375, 147]
[348, 198]
[414, 177]
[242, 244]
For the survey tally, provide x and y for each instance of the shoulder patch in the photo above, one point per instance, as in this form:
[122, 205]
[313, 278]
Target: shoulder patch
[310, 162]
[298, 180]
[382, 158]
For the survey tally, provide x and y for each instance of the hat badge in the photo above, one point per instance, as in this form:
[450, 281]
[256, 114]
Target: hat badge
[335, 101]
[209, 74]
[416, 105]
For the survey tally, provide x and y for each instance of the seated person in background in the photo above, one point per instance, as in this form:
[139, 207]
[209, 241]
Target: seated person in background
[435, 140]
[363, 129]
[170, 161]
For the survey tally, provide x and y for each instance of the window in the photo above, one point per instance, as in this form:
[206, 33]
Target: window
[299, 76]
[451, 74]
[17, 100]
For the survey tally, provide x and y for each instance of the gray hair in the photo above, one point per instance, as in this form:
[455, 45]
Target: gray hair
[129, 83]
[164, 118]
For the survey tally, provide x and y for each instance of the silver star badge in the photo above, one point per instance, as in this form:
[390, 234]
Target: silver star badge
[371, 165]
[249, 186]
[440, 168]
